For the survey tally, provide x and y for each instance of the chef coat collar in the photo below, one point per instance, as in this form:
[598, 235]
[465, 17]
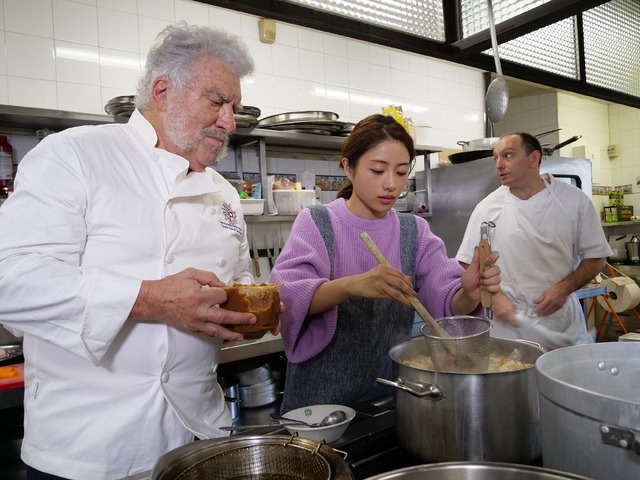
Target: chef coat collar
[185, 183]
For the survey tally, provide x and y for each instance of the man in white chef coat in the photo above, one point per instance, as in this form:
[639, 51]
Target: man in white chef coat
[116, 244]
[550, 241]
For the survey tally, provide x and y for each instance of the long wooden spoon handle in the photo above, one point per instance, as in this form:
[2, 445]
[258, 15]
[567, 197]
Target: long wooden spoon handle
[415, 303]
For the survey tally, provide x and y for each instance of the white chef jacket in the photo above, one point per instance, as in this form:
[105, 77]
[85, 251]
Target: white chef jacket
[541, 240]
[96, 210]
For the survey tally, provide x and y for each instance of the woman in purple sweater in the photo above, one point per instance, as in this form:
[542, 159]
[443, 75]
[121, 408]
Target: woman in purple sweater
[344, 311]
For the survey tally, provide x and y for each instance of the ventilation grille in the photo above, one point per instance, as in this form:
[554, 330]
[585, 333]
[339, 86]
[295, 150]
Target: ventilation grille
[422, 18]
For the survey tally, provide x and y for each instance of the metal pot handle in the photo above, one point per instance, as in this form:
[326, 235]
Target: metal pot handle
[433, 392]
[619, 437]
[530, 342]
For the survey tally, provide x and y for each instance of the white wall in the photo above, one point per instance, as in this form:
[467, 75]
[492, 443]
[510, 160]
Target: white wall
[75, 55]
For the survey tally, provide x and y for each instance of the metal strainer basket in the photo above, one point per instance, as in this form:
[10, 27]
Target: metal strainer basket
[467, 348]
[253, 458]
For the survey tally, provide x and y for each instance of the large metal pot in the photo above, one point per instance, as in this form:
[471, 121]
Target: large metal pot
[590, 409]
[269, 456]
[475, 471]
[443, 417]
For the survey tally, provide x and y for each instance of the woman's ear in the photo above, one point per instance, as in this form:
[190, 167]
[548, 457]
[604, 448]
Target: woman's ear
[344, 161]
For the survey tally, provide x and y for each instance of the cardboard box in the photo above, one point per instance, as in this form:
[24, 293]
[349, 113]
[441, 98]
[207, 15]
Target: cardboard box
[625, 212]
[291, 202]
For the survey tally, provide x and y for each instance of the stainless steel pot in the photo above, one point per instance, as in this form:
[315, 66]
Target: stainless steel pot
[590, 409]
[632, 248]
[259, 394]
[442, 417]
[253, 375]
[475, 471]
[272, 456]
[479, 144]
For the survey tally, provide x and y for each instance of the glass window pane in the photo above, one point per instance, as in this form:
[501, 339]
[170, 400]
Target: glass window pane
[422, 18]
[612, 46]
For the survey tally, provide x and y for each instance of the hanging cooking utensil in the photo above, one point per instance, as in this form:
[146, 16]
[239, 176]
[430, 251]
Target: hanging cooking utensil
[485, 249]
[497, 97]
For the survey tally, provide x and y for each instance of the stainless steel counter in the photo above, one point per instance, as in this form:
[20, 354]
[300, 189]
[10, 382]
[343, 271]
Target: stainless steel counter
[233, 351]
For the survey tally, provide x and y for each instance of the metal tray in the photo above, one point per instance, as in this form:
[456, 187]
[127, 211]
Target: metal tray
[297, 117]
[12, 351]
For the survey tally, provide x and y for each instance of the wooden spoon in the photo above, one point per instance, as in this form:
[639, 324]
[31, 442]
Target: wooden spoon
[437, 330]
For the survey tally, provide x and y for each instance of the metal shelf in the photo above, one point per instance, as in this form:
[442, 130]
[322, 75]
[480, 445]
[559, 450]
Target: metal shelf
[26, 120]
[321, 147]
[278, 139]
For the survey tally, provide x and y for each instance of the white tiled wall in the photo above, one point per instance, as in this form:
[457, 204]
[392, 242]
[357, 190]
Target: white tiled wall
[77, 54]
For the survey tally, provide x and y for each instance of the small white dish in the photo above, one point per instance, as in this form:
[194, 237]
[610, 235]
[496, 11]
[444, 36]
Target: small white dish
[315, 414]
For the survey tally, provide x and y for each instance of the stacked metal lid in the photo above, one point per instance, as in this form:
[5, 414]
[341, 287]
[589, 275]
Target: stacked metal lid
[122, 106]
[313, 122]
[246, 117]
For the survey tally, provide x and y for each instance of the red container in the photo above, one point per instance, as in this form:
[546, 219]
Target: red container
[6, 162]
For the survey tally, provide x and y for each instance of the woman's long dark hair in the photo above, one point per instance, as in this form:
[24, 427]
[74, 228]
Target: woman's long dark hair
[367, 134]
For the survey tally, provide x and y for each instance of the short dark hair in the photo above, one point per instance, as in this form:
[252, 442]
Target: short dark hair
[530, 143]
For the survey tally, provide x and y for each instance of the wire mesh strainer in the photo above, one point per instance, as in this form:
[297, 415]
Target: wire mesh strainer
[467, 348]
[252, 458]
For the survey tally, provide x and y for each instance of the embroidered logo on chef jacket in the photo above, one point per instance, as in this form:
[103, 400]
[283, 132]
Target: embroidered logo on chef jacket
[230, 218]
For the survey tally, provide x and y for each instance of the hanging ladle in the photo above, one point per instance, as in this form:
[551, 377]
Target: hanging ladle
[497, 97]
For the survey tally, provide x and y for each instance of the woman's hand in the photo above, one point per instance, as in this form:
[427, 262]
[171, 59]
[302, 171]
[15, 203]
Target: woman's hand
[379, 282]
[474, 280]
[382, 282]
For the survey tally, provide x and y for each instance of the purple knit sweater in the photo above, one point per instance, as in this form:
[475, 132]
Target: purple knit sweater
[303, 265]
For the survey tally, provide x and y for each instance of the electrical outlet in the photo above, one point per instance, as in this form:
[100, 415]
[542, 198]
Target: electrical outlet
[267, 30]
[612, 150]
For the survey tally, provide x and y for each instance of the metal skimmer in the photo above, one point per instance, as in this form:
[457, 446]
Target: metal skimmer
[467, 348]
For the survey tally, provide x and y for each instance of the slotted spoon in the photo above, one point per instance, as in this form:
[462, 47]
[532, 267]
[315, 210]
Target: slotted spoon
[497, 97]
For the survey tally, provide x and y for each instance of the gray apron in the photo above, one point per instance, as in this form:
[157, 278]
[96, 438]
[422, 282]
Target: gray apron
[345, 372]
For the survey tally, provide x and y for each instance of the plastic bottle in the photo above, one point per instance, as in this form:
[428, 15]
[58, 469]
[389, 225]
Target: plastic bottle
[6, 162]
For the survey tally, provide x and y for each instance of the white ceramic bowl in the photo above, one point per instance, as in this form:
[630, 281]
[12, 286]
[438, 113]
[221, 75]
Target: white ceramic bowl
[315, 414]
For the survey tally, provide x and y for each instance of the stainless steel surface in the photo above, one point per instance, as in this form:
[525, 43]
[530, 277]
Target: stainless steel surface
[632, 248]
[253, 375]
[590, 402]
[298, 117]
[457, 189]
[479, 417]
[497, 97]
[475, 471]
[9, 352]
[244, 457]
[479, 144]
[244, 349]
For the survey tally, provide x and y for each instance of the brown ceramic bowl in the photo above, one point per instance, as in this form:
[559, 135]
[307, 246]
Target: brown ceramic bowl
[263, 300]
